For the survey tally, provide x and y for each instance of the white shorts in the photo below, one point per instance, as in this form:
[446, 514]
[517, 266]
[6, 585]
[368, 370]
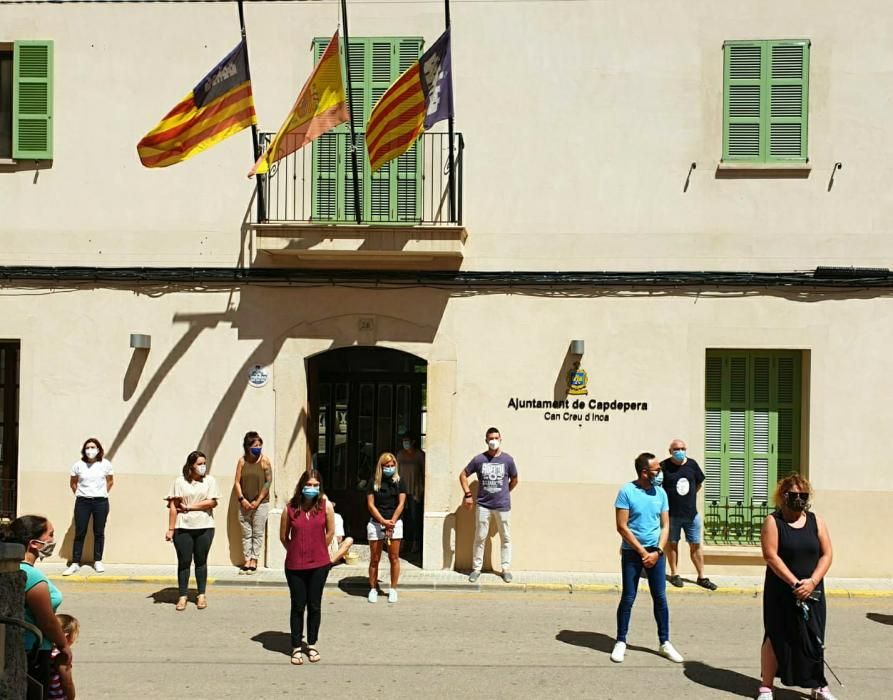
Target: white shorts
[339, 532]
[375, 531]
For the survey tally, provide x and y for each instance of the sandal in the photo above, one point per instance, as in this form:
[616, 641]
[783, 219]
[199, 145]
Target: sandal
[296, 658]
[707, 583]
[312, 654]
[201, 602]
[181, 604]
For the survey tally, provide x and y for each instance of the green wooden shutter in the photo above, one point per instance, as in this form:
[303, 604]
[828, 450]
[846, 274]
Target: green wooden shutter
[752, 434]
[788, 90]
[743, 135]
[382, 74]
[32, 100]
[765, 101]
[328, 163]
[407, 182]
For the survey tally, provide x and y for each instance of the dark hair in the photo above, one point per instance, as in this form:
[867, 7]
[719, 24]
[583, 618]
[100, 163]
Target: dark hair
[297, 500]
[491, 430]
[23, 530]
[191, 459]
[250, 437]
[99, 457]
[408, 436]
[643, 461]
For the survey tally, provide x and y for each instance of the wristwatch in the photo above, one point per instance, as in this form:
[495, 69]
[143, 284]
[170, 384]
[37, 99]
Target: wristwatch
[660, 552]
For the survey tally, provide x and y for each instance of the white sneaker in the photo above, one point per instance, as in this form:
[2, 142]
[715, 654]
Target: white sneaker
[765, 695]
[392, 595]
[373, 596]
[98, 567]
[618, 653]
[822, 694]
[667, 649]
[73, 569]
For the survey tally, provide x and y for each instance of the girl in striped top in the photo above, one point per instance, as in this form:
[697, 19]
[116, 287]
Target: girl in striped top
[61, 686]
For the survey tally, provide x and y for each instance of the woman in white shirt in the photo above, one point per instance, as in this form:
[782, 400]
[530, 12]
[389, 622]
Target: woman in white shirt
[90, 480]
[191, 502]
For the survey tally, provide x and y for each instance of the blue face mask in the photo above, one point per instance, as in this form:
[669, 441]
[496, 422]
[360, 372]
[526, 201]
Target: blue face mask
[389, 471]
[256, 451]
[679, 455]
[310, 491]
[658, 479]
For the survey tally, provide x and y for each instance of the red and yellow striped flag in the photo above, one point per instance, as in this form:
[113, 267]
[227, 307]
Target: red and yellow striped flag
[218, 107]
[321, 106]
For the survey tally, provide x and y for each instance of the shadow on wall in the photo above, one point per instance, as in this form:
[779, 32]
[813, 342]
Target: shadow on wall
[458, 537]
[234, 530]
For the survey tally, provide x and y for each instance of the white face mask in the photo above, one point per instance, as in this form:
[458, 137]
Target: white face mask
[493, 444]
[201, 469]
[91, 452]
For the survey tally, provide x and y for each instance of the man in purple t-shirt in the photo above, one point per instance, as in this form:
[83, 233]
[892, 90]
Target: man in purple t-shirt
[497, 477]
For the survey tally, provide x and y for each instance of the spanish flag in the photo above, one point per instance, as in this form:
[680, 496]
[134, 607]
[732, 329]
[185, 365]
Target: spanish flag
[420, 98]
[218, 107]
[320, 106]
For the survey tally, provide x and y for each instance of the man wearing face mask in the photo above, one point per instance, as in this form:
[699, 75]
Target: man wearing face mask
[682, 481]
[641, 515]
[411, 461]
[497, 477]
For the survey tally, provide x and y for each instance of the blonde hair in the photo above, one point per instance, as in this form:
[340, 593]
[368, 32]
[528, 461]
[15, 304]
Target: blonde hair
[70, 624]
[385, 457]
[785, 484]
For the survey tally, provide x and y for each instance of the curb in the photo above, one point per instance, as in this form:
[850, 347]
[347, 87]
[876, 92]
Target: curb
[569, 588]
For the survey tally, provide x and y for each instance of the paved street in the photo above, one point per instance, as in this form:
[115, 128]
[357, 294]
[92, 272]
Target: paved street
[444, 644]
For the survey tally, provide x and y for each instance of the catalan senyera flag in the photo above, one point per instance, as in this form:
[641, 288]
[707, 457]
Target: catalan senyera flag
[419, 98]
[321, 106]
[218, 107]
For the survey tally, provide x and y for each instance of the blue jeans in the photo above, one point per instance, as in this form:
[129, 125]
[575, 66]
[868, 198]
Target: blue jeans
[632, 568]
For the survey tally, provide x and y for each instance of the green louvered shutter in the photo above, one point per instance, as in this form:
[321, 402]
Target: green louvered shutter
[752, 436]
[32, 100]
[380, 79]
[359, 71]
[407, 183]
[742, 102]
[788, 89]
[328, 163]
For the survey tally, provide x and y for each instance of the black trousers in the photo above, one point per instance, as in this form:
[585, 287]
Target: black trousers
[84, 508]
[305, 587]
[38, 675]
[193, 545]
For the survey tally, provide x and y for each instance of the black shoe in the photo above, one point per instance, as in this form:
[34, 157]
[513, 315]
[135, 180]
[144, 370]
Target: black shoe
[707, 583]
[675, 580]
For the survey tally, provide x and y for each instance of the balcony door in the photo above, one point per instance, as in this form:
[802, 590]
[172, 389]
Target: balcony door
[362, 402]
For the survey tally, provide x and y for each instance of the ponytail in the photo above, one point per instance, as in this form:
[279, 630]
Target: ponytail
[23, 530]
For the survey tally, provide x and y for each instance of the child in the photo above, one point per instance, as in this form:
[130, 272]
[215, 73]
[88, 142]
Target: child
[340, 545]
[61, 682]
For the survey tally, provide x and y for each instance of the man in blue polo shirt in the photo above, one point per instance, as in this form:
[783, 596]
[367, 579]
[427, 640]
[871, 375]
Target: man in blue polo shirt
[642, 516]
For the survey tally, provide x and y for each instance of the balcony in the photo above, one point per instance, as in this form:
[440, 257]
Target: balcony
[734, 522]
[407, 216]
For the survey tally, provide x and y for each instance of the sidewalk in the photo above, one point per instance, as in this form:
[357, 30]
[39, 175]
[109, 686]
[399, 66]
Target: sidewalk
[412, 577]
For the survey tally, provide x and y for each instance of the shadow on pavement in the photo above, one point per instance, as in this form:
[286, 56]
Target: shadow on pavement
[732, 681]
[169, 596]
[355, 585]
[878, 617]
[596, 640]
[279, 642]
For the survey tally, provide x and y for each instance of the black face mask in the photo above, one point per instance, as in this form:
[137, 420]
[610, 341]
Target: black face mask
[796, 501]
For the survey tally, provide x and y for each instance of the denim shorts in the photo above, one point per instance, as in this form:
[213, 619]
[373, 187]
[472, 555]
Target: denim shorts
[692, 529]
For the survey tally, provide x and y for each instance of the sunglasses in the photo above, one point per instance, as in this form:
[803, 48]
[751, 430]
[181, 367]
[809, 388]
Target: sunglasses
[797, 495]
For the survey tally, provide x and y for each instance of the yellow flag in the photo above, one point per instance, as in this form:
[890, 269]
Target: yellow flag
[321, 106]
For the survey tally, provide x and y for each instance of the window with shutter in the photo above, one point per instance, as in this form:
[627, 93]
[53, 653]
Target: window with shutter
[32, 100]
[392, 194]
[765, 101]
[752, 437]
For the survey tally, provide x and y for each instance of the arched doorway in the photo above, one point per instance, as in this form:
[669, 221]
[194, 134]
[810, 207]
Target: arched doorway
[362, 401]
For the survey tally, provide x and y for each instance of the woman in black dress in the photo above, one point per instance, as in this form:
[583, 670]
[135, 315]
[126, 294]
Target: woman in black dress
[797, 550]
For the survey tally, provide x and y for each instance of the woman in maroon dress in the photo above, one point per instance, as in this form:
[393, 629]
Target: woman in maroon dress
[305, 530]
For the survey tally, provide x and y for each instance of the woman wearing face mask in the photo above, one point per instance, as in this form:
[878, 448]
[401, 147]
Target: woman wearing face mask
[254, 474]
[191, 502]
[42, 598]
[305, 530]
[386, 498]
[91, 480]
[797, 549]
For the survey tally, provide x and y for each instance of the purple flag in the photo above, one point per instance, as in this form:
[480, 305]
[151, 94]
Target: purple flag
[437, 80]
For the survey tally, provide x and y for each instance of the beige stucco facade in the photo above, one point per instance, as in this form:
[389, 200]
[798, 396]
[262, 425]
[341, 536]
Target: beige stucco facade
[582, 121]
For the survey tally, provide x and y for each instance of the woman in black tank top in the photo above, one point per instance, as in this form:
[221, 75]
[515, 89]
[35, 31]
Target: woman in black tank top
[797, 550]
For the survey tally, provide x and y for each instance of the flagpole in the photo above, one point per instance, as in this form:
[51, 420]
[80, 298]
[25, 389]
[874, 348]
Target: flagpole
[450, 121]
[353, 136]
[261, 200]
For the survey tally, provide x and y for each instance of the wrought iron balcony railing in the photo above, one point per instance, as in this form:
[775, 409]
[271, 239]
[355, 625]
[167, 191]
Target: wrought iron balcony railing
[315, 184]
[733, 522]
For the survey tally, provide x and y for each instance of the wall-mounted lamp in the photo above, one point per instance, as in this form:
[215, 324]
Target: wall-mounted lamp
[577, 347]
[140, 341]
